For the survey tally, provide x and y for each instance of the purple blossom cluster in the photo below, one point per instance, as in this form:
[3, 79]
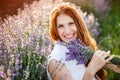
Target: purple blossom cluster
[78, 51]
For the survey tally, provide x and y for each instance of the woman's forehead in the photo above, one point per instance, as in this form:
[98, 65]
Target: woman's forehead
[63, 18]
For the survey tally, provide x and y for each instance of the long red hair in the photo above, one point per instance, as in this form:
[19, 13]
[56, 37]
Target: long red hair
[83, 33]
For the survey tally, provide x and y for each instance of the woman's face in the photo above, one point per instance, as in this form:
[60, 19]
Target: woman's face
[66, 28]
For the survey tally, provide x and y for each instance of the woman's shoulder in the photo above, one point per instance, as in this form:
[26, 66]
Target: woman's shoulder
[57, 53]
[58, 49]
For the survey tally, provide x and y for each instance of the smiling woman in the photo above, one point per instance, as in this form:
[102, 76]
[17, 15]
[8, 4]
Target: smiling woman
[65, 25]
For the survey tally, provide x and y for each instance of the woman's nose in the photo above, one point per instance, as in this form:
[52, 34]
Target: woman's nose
[67, 30]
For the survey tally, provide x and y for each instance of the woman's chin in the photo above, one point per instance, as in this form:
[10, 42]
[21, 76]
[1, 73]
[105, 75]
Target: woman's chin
[68, 40]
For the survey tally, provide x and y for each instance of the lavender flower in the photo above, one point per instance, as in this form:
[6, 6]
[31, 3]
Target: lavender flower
[82, 53]
[1, 74]
[78, 51]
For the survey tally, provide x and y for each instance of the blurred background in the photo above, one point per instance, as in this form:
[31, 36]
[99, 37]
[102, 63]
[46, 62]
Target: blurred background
[10, 7]
[25, 41]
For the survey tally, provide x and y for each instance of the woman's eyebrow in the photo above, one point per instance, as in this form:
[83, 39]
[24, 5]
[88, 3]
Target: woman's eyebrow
[71, 22]
[59, 25]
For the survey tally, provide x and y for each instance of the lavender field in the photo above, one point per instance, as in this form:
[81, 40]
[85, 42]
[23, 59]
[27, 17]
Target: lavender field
[25, 40]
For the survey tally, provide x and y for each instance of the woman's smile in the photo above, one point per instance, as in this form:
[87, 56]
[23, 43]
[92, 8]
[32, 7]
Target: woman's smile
[69, 37]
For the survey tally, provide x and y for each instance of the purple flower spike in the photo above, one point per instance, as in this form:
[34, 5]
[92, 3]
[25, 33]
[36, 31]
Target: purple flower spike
[1, 74]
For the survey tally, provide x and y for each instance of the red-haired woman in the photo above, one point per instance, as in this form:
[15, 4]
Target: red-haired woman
[65, 25]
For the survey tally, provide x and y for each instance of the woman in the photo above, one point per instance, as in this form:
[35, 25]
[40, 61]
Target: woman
[65, 25]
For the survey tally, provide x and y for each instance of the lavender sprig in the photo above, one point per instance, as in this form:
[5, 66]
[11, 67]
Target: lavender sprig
[82, 53]
[78, 51]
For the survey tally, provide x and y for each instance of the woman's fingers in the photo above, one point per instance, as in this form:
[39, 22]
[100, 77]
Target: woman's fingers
[106, 54]
[103, 54]
[108, 59]
[98, 52]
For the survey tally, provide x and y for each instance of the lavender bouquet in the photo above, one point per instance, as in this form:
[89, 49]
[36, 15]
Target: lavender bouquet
[82, 53]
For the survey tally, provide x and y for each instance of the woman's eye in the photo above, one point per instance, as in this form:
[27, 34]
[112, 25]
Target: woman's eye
[71, 23]
[60, 26]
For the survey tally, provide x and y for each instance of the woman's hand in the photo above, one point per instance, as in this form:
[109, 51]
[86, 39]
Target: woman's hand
[99, 59]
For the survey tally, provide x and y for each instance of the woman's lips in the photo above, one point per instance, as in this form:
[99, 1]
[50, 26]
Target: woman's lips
[69, 36]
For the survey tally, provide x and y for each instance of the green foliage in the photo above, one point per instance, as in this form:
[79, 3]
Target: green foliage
[116, 60]
[109, 37]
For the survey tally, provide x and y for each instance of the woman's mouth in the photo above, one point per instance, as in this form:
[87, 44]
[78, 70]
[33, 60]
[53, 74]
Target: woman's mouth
[69, 36]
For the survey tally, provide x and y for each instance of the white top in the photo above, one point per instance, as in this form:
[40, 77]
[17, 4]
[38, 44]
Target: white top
[58, 53]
